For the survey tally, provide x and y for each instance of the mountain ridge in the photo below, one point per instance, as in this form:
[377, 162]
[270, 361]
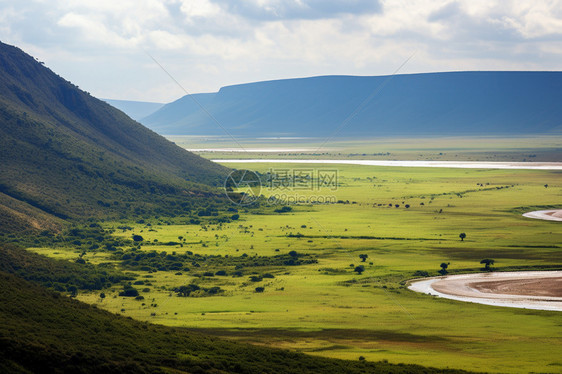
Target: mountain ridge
[70, 155]
[450, 103]
[135, 109]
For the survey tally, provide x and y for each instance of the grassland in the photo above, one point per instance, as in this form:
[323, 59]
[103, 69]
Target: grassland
[466, 148]
[327, 309]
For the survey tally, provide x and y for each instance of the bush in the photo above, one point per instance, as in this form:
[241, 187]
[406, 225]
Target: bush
[284, 209]
[260, 289]
[129, 291]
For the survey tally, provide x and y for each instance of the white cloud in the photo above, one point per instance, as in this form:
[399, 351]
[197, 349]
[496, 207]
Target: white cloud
[199, 8]
[210, 43]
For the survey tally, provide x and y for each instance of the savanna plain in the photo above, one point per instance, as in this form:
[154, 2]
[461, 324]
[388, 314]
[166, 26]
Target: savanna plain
[331, 279]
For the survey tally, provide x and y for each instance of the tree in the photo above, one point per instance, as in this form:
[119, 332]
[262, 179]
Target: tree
[363, 257]
[260, 289]
[73, 291]
[293, 254]
[137, 238]
[129, 291]
[487, 262]
[184, 291]
[187, 290]
[462, 235]
[359, 269]
[102, 295]
[444, 266]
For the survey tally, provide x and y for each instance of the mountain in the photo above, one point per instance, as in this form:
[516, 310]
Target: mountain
[65, 154]
[454, 103]
[135, 109]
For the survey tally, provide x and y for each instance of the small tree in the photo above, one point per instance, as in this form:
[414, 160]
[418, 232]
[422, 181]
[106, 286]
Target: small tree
[487, 262]
[185, 291]
[444, 266]
[363, 257]
[73, 291]
[359, 269]
[462, 235]
[129, 291]
[137, 238]
[260, 289]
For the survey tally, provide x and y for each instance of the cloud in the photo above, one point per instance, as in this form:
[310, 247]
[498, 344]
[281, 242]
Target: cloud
[207, 44]
[201, 8]
[267, 10]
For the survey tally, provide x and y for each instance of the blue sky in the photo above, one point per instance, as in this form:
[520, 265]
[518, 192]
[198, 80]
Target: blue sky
[205, 44]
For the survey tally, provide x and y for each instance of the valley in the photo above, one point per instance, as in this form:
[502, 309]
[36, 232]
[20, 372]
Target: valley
[287, 245]
[406, 220]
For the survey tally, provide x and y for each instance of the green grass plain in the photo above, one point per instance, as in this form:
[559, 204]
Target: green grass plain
[537, 148]
[326, 309]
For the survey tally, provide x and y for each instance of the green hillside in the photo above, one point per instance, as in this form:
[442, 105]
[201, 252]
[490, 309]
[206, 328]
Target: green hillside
[65, 154]
[43, 331]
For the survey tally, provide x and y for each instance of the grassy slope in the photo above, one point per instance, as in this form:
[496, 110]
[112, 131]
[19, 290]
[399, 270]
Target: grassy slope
[71, 155]
[42, 331]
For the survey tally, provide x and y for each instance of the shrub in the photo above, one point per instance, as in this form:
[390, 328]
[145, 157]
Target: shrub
[129, 291]
[284, 209]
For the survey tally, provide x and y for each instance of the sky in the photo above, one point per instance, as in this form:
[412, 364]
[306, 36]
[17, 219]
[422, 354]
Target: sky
[119, 49]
